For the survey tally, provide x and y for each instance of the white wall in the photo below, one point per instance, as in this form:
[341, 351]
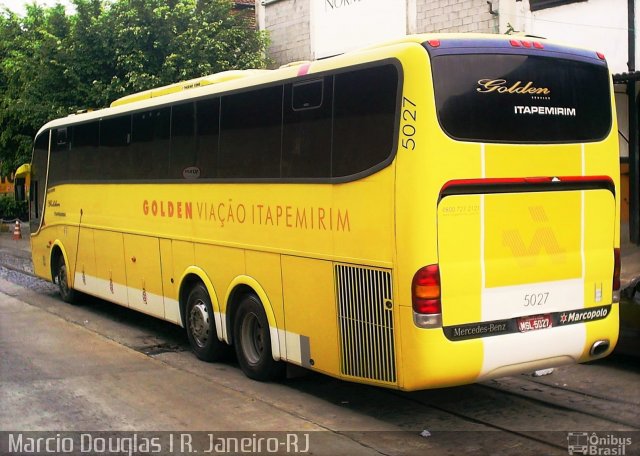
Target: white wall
[338, 26]
[622, 111]
[600, 25]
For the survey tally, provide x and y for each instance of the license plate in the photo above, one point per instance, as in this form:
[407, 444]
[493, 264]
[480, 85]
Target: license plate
[534, 323]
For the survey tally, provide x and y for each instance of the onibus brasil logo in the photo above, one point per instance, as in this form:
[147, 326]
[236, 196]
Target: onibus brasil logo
[594, 444]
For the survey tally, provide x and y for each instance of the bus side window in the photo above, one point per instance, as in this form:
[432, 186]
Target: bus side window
[59, 163]
[365, 103]
[208, 135]
[61, 138]
[183, 139]
[115, 136]
[307, 95]
[150, 144]
[84, 162]
[251, 134]
[306, 147]
[38, 176]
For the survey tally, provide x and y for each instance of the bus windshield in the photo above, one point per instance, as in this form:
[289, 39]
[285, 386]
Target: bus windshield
[521, 98]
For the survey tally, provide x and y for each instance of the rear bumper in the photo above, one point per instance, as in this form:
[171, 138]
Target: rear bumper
[431, 360]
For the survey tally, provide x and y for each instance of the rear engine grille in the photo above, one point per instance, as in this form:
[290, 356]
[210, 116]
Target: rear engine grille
[365, 314]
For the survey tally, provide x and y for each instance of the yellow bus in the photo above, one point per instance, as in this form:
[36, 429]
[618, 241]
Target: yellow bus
[432, 211]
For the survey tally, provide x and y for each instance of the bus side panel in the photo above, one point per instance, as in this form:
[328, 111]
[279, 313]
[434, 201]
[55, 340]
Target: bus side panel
[110, 269]
[85, 263]
[601, 158]
[265, 269]
[429, 360]
[600, 238]
[415, 220]
[222, 265]
[183, 255]
[41, 255]
[144, 279]
[598, 245]
[310, 314]
[169, 283]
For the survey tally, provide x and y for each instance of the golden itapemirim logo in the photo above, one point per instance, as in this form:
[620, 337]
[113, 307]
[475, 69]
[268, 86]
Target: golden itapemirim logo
[519, 87]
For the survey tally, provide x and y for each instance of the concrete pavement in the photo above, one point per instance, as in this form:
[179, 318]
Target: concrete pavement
[56, 375]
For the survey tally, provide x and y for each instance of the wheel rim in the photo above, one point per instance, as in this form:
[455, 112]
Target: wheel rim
[62, 280]
[252, 338]
[199, 323]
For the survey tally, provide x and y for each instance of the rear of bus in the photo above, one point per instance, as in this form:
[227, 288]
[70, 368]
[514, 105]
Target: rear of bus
[507, 210]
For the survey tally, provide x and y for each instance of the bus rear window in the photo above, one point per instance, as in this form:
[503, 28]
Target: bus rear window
[521, 98]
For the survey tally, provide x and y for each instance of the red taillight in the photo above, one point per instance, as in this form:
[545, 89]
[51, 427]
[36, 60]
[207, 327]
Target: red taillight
[616, 270]
[527, 44]
[434, 43]
[427, 306]
[425, 290]
[600, 55]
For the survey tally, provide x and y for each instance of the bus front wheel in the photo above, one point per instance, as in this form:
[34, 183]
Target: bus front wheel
[67, 293]
[252, 340]
[201, 326]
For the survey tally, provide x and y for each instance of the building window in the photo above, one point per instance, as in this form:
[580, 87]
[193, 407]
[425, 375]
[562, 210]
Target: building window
[536, 5]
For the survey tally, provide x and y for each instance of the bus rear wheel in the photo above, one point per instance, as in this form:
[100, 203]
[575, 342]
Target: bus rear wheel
[252, 340]
[201, 326]
[67, 293]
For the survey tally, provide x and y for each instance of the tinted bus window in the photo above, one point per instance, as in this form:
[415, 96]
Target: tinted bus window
[306, 136]
[520, 98]
[307, 95]
[207, 131]
[115, 136]
[59, 159]
[38, 180]
[251, 134]
[183, 139]
[364, 118]
[150, 144]
[85, 161]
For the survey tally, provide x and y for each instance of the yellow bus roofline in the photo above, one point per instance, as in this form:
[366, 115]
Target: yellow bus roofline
[23, 170]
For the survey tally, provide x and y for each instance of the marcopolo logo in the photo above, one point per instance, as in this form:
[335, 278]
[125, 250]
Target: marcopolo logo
[579, 316]
[594, 444]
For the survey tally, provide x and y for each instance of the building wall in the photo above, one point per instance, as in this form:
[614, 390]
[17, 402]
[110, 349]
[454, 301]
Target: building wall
[600, 25]
[288, 24]
[456, 16]
[597, 24]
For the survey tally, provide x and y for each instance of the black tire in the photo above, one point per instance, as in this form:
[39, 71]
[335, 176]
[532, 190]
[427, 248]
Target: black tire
[252, 341]
[67, 294]
[201, 326]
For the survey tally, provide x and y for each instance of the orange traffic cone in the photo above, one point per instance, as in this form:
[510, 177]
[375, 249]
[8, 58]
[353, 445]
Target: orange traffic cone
[17, 234]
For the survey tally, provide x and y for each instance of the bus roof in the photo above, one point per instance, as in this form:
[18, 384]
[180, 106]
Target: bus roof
[238, 79]
[186, 85]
